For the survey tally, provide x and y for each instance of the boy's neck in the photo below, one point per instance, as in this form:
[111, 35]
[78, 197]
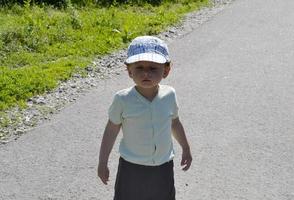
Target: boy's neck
[148, 93]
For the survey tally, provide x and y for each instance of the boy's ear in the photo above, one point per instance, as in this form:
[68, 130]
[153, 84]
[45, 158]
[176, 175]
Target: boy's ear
[129, 71]
[166, 70]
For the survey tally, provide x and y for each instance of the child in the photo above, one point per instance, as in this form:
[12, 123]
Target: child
[148, 116]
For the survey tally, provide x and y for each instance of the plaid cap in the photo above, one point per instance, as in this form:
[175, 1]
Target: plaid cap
[147, 48]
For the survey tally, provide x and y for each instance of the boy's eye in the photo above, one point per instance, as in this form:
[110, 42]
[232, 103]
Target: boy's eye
[139, 68]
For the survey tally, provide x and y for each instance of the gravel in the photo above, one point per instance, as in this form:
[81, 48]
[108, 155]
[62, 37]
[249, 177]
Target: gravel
[41, 108]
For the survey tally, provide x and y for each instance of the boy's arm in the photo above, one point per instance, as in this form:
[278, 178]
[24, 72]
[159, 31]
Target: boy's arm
[109, 137]
[179, 134]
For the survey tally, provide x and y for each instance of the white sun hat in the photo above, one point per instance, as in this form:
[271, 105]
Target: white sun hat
[148, 48]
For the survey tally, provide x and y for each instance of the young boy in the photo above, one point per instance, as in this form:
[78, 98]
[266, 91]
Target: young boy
[148, 116]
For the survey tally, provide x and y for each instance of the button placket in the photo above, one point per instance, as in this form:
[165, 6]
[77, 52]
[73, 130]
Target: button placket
[153, 131]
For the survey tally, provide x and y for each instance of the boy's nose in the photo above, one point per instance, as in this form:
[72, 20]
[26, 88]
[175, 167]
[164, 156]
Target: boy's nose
[146, 72]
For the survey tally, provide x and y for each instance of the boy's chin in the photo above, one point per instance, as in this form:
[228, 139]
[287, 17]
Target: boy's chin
[147, 86]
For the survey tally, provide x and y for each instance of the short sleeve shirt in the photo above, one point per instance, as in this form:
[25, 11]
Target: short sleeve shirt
[146, 125]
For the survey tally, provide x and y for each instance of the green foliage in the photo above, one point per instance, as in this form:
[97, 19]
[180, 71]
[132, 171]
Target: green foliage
[66, 3]
[41, 45]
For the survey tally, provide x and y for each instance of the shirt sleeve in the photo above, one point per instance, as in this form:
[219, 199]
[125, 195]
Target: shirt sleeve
[175, 107]
[115, 110]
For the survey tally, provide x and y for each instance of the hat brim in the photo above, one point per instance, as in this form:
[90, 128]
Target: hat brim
[151, 57]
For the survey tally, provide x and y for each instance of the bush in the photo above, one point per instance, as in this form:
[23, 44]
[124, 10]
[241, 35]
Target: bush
[57, 3]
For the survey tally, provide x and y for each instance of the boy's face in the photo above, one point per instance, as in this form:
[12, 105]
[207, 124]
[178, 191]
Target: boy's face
[147, 74]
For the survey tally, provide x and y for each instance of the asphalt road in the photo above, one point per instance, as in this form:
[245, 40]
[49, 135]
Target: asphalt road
[234, 78]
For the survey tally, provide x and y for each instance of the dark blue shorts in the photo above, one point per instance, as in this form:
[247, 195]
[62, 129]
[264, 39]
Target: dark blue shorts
[139, 182]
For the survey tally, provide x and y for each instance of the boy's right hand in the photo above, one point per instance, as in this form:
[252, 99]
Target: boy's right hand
[103, 173]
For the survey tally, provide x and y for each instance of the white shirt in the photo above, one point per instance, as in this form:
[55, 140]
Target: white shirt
[146, 125]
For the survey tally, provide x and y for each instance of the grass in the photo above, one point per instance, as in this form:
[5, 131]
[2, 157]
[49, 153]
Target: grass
[41, 46]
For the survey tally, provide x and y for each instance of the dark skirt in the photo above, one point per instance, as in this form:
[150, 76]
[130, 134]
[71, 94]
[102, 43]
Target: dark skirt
[139, 182]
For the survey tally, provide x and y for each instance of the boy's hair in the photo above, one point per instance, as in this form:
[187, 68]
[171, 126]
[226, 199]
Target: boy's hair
[148, 48]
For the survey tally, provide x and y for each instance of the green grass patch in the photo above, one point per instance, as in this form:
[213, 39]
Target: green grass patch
[41, 45]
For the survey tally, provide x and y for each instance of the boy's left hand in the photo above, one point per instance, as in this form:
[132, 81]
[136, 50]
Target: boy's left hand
[186, 159]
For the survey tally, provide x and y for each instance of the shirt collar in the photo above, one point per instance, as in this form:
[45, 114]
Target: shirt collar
[144, 99]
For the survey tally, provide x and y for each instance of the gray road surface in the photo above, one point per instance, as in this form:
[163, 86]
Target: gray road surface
[235, 82]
